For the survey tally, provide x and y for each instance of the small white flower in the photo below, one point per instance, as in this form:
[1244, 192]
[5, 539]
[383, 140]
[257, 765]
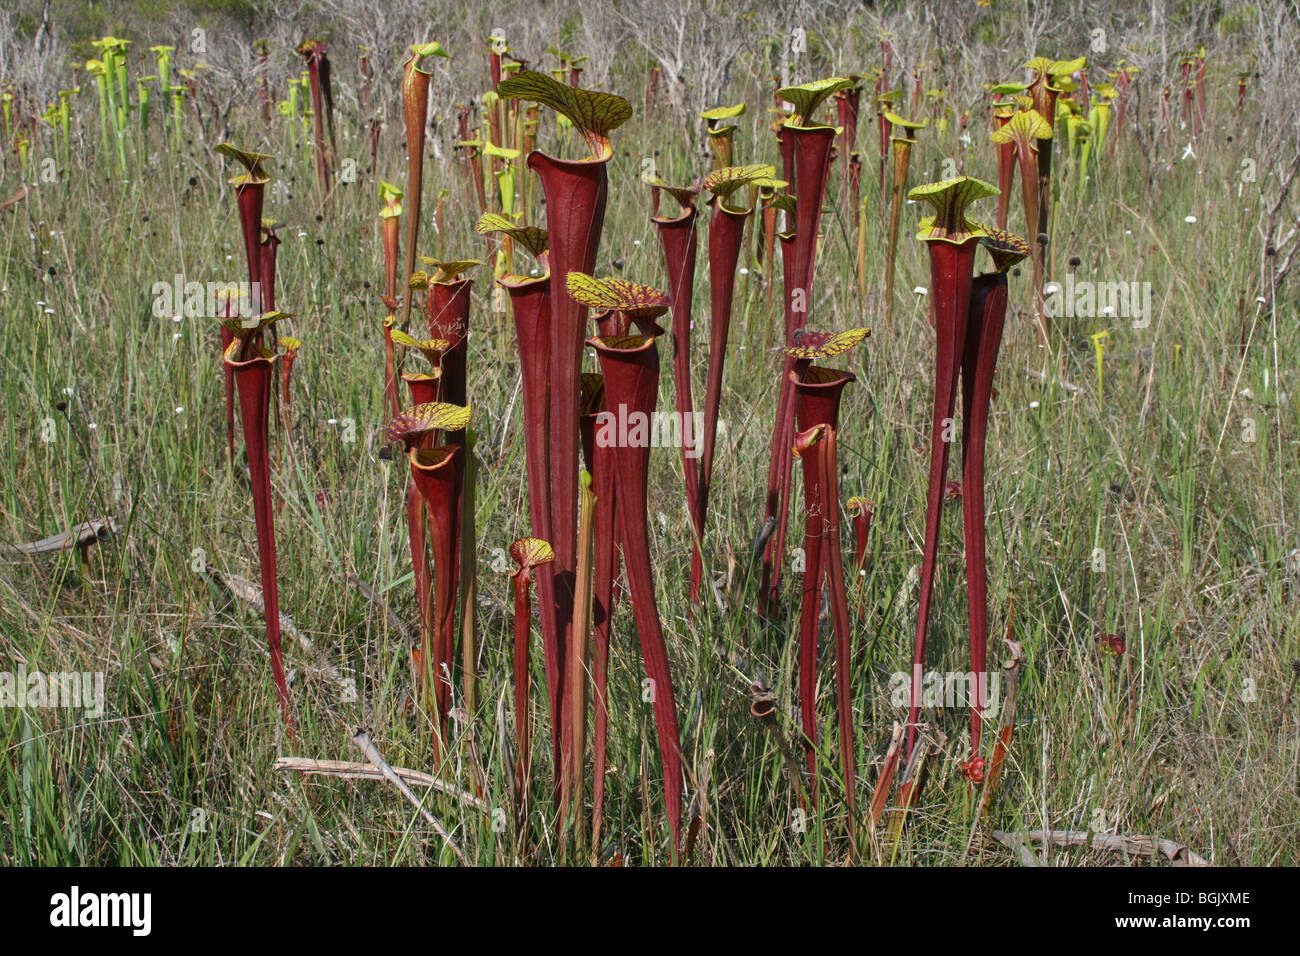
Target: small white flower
[1189, 219]
[920, 290]
[177, 318]
[180, 409]
[1051, 288]
[228, 258]
[40, 302]
[1247, 394]
[333, 421]
[1128, 232]
[744, 272]
[302, 235]
[49, 311]
[176, 336]
[1260, 299]
[67, 390]
[1108, 310]
[1033, 404]
[92, 426]
[636, 242]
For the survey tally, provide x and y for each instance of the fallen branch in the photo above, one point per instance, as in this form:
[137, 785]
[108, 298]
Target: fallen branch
[377, 599]
[1007, 720]
[347, 770]
[251, 595]
[1176, 853]
[909, 787]
[14, 199]
[361, 737]
[79, 536]
[886, 780]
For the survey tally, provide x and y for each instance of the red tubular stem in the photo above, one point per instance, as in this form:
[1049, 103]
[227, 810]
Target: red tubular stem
[785, 143]
[575, 193]
[817, 405]
[255, 380]
[833, 563]
[390, 373]
[389, 228]
[447, 306]
[424, 388]
[726, 231]
[267, 249]
[415, 108]
[884, 127]
[988, 309]
[600, 462]
[316, 66]
[631, 386]
[531, 303]
[1006, 172]
[810, 611]
[811, 147]
[228, 337]
[249, 196]
[846, 111]
[437, 475]
[951, 265]
[861, 529]
[679, 238]
[778, 466]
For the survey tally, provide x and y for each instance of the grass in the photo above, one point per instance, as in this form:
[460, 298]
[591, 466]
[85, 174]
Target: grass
[1179, 738]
